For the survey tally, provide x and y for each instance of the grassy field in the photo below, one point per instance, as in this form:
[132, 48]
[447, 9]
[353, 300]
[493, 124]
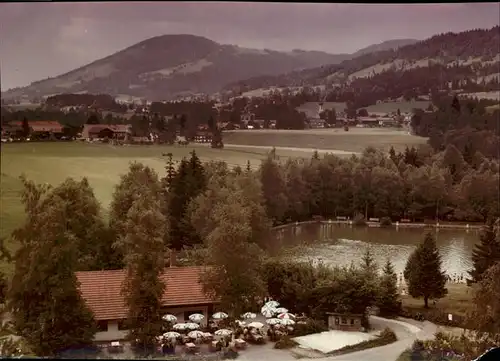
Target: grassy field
[394, 106]
[457, 302]
[102, 164]
[355, 140]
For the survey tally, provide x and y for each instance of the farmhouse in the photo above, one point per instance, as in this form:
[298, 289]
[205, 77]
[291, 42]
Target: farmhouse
[345, 321]
[316, 123]
[110, 131]
[203, 136]
[42, 127]
[101, 290]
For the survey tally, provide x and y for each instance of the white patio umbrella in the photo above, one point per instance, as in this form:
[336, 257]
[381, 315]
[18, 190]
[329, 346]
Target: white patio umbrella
[223, 332]
[219, 315]
[196, 334]
[272, 304]
[273, 321]
[267, 311]
[286, 315]
[171, 335]
[180, 326]
[256, 324]
[192, 326]
[281, 310]
[196, 317]
[169, 318]
[241, 323]
[248, 315]
[287, 322]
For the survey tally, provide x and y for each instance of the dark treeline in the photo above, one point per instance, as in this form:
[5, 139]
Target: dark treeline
[415, 184]
[464, 124]
[100, 101]
[410, 84]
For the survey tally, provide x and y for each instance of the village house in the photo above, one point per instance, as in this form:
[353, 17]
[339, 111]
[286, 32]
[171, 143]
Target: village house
[101, 291]
[40, 128]
[345, 321]
[316, 123]
[203, 136]
[109, 131]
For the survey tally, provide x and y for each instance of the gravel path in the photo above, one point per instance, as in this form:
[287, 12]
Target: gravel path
[406, 331]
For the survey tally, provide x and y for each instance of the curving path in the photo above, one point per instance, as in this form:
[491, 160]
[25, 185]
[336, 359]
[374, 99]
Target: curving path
[406, 331]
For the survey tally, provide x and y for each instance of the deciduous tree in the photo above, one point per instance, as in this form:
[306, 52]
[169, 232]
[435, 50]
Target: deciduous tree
[143, 248]
[44, 299]
[234, 276]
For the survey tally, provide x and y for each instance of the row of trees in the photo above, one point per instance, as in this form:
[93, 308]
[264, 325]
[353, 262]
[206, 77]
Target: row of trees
[415, 184]
[224, 212]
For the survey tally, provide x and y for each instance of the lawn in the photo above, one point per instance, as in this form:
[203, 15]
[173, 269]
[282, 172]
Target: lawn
[102, 164]
[402, 106]
[458, 301]
[355, 140]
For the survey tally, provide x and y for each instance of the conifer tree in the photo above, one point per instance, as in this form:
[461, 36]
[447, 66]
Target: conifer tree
[188, 182]
[388, 301]
[423, 272]
[486, 253]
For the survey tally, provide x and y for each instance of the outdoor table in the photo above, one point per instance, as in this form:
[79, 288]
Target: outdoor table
[190, 347]
[240, 344]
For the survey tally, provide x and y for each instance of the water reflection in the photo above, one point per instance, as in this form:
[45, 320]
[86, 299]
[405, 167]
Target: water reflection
[342, 244]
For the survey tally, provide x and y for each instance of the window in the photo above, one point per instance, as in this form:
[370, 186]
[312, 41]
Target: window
[102, 326]
[344, 320]
[352, 321]
[337, 320]
[122, 325]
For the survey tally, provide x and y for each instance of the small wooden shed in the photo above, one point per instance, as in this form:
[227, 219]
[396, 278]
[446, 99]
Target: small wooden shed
[345, 321]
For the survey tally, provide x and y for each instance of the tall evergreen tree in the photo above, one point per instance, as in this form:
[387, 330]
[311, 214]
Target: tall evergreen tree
[423, 272]
[170, 169]
[273, 189]
[455, 104]
[26, 128]
[44, 299]
[388, 301]
[486, 253]
[143, 247]
[188, 182]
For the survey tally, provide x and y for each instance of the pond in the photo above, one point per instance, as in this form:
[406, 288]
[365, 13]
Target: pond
[339, 244]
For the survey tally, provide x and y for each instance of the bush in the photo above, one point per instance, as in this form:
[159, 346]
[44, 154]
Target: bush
[285, 342]
[448, 347]
[359, 220]
[385, 222]
[311, 326]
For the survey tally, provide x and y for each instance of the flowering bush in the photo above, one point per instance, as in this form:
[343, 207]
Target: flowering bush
[446, 347]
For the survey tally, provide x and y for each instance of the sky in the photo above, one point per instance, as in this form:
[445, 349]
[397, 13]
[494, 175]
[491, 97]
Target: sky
[40, 40]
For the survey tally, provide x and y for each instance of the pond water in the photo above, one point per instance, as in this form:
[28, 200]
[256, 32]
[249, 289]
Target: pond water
[342, 244]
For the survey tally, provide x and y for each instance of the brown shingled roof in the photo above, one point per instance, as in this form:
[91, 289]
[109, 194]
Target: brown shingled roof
[102, 290]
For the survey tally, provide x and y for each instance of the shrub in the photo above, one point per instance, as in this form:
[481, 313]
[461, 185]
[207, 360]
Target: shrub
[359, 220]
[285, 342]
[309, 327]
[385, 222]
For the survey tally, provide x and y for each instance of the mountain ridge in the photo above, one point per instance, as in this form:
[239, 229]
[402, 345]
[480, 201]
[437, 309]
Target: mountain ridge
[168, 65]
